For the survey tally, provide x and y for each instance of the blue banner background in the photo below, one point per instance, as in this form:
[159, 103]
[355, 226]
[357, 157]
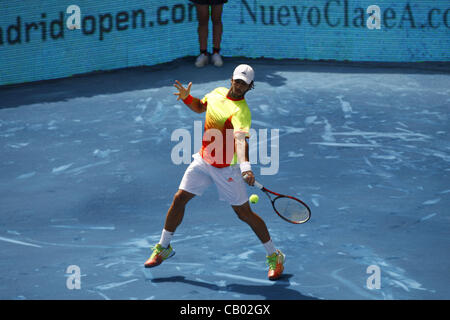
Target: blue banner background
[411, 31]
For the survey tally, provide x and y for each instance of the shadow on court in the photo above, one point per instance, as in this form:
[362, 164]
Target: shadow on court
[183, 69]
[126, 80]
[278, 291]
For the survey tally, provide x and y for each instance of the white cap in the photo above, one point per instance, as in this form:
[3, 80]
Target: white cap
[244, 72]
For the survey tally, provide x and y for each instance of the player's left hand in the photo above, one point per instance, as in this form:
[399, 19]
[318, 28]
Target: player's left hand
[249, 177]
[182, 91]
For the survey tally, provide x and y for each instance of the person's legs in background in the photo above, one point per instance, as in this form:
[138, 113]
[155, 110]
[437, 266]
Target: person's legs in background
[216, 18]
[203, 20]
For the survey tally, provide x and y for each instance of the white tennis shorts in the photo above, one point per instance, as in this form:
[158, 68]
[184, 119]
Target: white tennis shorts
[200, 175]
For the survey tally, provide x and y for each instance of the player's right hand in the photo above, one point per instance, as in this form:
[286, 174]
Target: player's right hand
[249, 177]
[183, 92]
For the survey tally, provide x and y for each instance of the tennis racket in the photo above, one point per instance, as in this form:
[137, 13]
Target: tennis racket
[289, 208]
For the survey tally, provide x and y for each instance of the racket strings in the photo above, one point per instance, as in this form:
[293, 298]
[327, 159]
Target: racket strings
[291, 209]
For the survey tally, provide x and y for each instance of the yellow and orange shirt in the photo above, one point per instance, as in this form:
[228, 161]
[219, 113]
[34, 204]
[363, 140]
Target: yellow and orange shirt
[223, 113]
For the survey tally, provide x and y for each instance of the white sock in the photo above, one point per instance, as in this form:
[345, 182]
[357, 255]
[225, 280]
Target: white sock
[270, 248]
[166, 236]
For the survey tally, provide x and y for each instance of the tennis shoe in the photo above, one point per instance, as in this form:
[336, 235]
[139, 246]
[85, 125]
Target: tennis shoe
[276, 265]
[216, 59]
[201, 61]
[159, 254]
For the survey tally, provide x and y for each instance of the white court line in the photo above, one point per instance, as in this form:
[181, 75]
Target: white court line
[83, 227]
[356, 289]
[19, 242]
[103, 295]
[187, 238]
[242, 278]
[114, 284]
[192, 264]
[349, 145]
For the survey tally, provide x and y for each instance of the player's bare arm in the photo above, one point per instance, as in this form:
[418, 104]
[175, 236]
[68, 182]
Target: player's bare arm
[184, 93]
[242, 153]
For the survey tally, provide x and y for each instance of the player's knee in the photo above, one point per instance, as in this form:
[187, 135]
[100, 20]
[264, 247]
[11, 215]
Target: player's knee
[243, 214]
[181, 198]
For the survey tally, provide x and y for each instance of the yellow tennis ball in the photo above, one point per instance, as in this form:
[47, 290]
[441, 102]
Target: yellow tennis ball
[254, 198]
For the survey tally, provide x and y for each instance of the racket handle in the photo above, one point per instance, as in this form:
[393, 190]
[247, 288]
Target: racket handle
[256, 184]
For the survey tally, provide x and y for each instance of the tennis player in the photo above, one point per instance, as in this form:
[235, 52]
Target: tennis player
[223, 161]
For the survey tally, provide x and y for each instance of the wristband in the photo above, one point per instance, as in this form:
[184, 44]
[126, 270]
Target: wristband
[245, 166]
[188, 100]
